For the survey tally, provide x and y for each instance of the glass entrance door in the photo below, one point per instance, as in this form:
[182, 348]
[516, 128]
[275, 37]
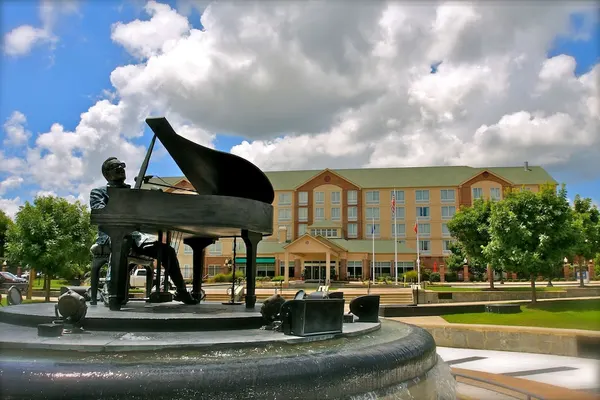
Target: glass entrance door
[316, 270]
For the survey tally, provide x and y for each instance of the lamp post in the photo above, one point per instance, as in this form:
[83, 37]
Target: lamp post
[465, 270]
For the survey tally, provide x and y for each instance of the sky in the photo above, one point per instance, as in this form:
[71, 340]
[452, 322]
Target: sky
[297, 85]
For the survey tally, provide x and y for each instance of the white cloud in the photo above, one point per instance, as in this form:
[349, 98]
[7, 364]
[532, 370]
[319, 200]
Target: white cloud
[10, 183]
[326, 84]
[16, 134]
[20, 40]
[10, 206]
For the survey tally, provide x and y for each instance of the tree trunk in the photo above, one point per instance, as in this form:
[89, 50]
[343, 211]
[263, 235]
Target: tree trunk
[533, 293]
[47, 286]
[581, 284]
[490, 272]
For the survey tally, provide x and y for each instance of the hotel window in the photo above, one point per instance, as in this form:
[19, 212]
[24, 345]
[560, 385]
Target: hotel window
[319, 197]
[401, 230]
[187, 249]
[288, 232]
[399, 213]
[373, 231]
[291, 265]
[495, 194]
[336, 197]
[352, 230]
[352, 213]
[424, 230]
[425, 246]
[352, 197]
[399, 196]
[448, 212]
[336, 215]
[284, 214]
[319, 213]
[214, 270]
[301, 229]
[372, 213]
[302, 198]
[382, 268]
[240, 246]
[422, 196]
[447, 195]
[303, 214]
[285, 199]
[404, 267]
[328, 233]
[187, 271]
[215, 249]
[446, 246]
[477, 193]
[445, 230]
[373, 197]
[354, 269]
[423, 213]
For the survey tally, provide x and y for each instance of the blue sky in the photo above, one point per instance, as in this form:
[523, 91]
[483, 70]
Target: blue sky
[57, 85]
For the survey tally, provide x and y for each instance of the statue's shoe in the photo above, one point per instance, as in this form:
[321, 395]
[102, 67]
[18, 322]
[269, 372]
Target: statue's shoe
[185, 297]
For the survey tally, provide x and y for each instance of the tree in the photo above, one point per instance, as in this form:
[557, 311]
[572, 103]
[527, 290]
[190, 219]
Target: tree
[455, 260]
[5, 223]
[50, 235]
[470, 226]
[531, 231]
[586, 222]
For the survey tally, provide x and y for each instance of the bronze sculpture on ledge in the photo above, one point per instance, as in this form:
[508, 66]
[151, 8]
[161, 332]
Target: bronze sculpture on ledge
[233, 199]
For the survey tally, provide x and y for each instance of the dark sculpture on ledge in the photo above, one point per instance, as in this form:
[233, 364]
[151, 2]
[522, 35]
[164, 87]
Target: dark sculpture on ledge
[113, 171]
[233, 199]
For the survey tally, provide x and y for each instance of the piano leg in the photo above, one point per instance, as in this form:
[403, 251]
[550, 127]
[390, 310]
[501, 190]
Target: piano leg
[198, 245]
[120, 244]
[251, 239]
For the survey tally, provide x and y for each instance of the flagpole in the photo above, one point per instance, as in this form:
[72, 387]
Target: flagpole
[373, 236]
[418, 256]
[395, 236]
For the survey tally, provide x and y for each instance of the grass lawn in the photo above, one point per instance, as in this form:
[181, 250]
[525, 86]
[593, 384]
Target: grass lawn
[564, 314]
[55, 284]
[497, 287]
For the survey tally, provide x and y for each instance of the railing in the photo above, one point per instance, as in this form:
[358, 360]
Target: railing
[529, 395]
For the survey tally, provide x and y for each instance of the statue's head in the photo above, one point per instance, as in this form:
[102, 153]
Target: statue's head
[114, 171]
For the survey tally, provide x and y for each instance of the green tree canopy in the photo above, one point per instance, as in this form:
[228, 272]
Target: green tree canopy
[455, 260]
[51, 235]
[586, 223]
[530, 232]
[5, 223]
[470, 226]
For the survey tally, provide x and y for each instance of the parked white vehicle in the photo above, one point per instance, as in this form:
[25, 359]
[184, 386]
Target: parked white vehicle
[137, 279]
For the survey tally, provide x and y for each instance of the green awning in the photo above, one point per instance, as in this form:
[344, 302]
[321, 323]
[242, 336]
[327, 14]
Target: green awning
[259, 260]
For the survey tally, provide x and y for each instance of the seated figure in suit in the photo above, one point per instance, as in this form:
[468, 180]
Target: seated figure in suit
[113, 171]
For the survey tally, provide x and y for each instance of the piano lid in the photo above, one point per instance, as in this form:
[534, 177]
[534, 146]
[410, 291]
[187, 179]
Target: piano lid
[213, 172]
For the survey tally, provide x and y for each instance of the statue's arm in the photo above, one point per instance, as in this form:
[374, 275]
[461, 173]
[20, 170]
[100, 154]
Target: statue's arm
[98, 199]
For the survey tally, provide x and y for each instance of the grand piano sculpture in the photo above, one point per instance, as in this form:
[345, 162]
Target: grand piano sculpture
[234, 200]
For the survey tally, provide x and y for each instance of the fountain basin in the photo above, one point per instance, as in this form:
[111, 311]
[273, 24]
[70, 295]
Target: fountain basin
[369, 360]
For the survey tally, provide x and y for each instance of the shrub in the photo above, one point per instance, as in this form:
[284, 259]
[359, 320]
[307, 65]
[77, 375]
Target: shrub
[434, 277]
[278, 278]
[411, 276]
[451, 277]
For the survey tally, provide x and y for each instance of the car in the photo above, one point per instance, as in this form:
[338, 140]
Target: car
[10, 278]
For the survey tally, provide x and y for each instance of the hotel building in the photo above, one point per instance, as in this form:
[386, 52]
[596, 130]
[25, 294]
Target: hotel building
[329, 218]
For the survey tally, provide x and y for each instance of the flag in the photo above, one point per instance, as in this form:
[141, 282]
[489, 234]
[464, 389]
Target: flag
[372, 229]
[393, 204]
[416, 228]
